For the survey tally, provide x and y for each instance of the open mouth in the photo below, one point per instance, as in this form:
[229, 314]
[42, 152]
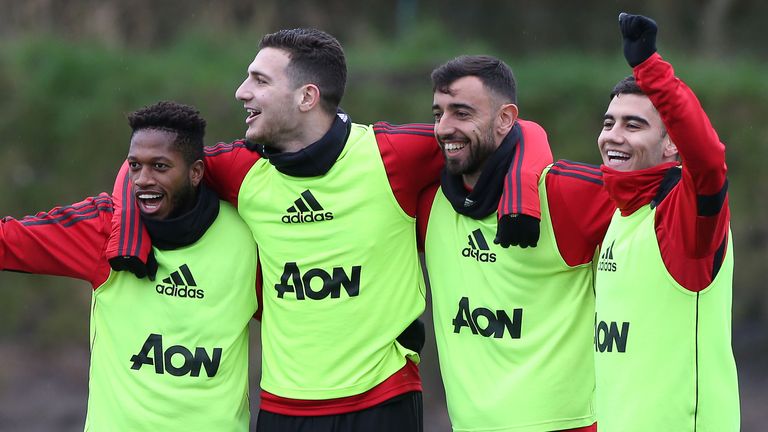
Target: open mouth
[616, 156]
[252, 114]
[149, 202]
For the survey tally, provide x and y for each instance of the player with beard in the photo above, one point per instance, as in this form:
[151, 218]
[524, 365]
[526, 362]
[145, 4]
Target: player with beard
[513, 326]
[157, 362]
[333, 207]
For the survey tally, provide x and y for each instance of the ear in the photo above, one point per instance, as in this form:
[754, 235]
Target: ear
[670, 149]
[506, 119]
[308, 97]
[196, 171]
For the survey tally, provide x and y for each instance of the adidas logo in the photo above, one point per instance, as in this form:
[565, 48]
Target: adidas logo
[477, 246]
[178, 284]
[306, 209]
[606, 259]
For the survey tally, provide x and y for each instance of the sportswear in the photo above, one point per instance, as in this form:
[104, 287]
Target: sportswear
[165, 355]
[336, 203]
[664, 281]
[514, 326]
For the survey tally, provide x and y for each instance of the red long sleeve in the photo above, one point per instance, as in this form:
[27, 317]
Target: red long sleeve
[692, 222]
[580, 209]
[226, 165]
[66, 241]
[521, 192]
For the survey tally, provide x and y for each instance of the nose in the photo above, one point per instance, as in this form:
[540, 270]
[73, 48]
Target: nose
[612, 135]
[243, 93]
[142, 178]
[443, 126]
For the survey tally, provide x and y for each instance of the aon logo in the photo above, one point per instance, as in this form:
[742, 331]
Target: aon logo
[318, 284]
[176, 360]
[486, 322]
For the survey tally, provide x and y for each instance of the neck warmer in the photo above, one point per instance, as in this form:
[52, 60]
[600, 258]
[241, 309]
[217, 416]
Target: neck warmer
[484, 197]
[631, 190]
[315, 159]
[169, 234]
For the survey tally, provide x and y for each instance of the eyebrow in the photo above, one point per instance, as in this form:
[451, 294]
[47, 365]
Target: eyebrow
[455, 106]
[257, 73]
[628, 118]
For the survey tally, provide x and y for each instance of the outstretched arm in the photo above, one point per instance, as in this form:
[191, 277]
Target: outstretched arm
[697, 209]
[65, 241]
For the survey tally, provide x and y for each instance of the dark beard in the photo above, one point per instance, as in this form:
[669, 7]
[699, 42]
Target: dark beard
[184, 201]
[478, 154]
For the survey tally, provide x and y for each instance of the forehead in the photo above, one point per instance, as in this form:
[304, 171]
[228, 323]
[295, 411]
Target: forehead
[623, 105]
[154, 144]
[467, 90]
[269, 61]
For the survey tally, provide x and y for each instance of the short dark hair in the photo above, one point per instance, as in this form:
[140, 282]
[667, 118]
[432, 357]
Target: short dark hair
[628, 85]
[492, 72]
[316, 58]
[183, 120]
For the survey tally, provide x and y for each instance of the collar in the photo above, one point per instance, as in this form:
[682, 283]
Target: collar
[317, 158]
[630, 190]
[484, 197]
[175, 233]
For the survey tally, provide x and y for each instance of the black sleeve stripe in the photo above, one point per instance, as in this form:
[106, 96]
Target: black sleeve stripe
[710, 205]
[556, 171]
[581, 164]
[421, 126]
[223, 148]
[578, 168]
[74, 207]
[422, 129]
[717, 261]
[405, 132]
[68, 219]
[124, 216]
[99, 203]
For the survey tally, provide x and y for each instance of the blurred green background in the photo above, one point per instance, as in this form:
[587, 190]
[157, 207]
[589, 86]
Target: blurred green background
[71, 70]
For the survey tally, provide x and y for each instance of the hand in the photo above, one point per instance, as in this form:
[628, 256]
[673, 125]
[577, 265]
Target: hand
[639, 35]
[517, 230]
[136, 266]
[413, 336]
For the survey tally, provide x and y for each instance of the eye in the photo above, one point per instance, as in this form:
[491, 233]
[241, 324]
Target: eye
[437, 115]
[633, 126]
[161, 166]
[462, 115]
[133, 165]
[607, 124]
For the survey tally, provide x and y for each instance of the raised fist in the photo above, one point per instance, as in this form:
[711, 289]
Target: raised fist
[639, 35]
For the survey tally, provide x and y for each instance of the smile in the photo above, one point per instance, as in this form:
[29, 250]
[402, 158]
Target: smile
[617, 155]
[453, 147]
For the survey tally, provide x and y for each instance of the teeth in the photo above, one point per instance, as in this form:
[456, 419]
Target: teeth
[617, 154]
[253, 111]
[454, 146]
[148, 196]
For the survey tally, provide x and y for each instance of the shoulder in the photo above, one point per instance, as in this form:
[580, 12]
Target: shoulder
[406, 138]
[575, 174]
[407, 144]
[222, 148]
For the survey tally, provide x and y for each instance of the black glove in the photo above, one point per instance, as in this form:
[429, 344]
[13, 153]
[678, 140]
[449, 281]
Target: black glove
[413, 336]
[517, 230]
[639, 35]
[136, 266]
